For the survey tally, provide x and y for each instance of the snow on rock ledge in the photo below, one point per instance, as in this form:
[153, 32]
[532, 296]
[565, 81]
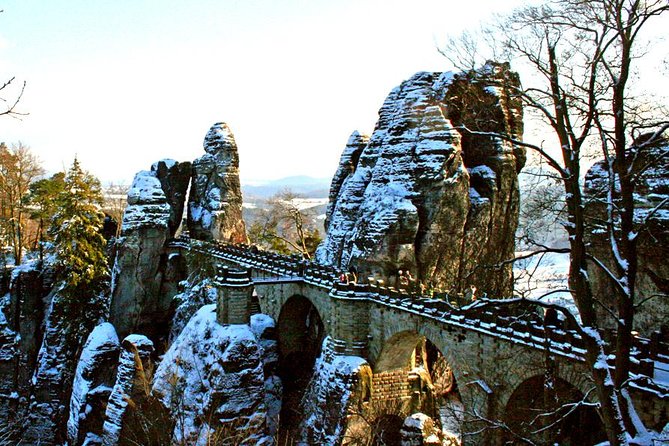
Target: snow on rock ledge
[147, 203]
[129, 389]
[421, 430]
[212, 377]
[92, 383]
[326, 401]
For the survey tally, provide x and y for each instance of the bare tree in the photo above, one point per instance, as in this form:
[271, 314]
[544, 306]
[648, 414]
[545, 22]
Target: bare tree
[19, 167]
[115, 196]
[581, 56]
[10, 96]
[286, 226]
[10, 105]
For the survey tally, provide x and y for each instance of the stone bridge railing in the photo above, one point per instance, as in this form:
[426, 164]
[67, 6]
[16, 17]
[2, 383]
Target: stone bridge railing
[520, 322]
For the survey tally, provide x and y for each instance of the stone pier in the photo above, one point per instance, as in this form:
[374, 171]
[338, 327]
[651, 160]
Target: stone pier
[235, 289]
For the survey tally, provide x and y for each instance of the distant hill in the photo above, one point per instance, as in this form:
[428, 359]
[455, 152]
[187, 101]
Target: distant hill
[304, 185]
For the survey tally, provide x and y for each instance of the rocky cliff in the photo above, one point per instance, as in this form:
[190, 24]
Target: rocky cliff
[108, 385]
[93, 381]
[155, 208]
[67, 326]
[425, 195]
[21, 317]
[215, 201]
[652, 187]
[211, 380]
[335, 379]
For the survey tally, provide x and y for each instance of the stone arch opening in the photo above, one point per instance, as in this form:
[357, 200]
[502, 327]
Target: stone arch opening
[432, 388]
[546, 404]
[300, 334]
[386, 430]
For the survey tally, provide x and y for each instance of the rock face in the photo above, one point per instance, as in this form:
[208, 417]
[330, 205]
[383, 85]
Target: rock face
[153, 214]
[65, 330]
[652, 186]
[93, 381]
[334, 381]
[174, 179]
[425, 197]
[215, 201]
[421, 430]
[264, 328]
[212, 379]
[130, 391]
[347, 166]
[21, 317]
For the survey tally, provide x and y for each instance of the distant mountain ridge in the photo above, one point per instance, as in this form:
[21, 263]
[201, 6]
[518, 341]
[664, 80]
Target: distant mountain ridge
[307, 186]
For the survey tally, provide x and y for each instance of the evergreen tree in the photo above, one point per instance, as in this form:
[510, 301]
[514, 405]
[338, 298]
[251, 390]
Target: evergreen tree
[78, 242]
[43, 202]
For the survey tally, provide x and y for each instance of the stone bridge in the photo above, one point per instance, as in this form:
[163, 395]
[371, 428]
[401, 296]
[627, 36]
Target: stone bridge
[493, 357]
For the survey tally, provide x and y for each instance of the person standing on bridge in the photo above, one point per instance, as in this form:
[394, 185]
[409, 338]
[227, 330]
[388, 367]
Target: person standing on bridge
[403, 281]
[352, 276]
[343, 278]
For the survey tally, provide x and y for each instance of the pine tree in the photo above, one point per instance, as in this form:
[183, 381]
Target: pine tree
[76, 230]
[43, 202]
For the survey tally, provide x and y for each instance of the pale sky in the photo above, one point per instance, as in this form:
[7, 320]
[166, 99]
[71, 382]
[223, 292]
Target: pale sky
[124, 83]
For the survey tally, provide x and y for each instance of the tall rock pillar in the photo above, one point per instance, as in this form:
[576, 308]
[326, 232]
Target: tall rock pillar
[215, 201]
[153, 215]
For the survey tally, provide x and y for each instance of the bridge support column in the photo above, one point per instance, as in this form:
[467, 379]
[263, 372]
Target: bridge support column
[350, 320]
[235, 289]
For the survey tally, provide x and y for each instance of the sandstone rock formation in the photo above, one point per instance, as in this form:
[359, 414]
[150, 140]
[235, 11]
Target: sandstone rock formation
[347, 165]
[65, 330]
[652, 186]
[153, 214]
[427, 197]
[174, 179]
[93, 381]
[21, 317]
[215, 201]
[212, 379]
[334, 380]
[421, 430]
[130, 391]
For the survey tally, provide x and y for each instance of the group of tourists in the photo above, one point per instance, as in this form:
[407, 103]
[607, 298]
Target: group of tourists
[403, 281]
[406, 282]
[348, 277]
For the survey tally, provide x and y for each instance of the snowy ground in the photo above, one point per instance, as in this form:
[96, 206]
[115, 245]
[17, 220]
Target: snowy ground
[544, 277]
[306, 203]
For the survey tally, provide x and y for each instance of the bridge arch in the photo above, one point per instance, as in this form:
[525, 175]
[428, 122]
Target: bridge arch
[301, 332]
[546, 404]
[411, 374]
[386, 429]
